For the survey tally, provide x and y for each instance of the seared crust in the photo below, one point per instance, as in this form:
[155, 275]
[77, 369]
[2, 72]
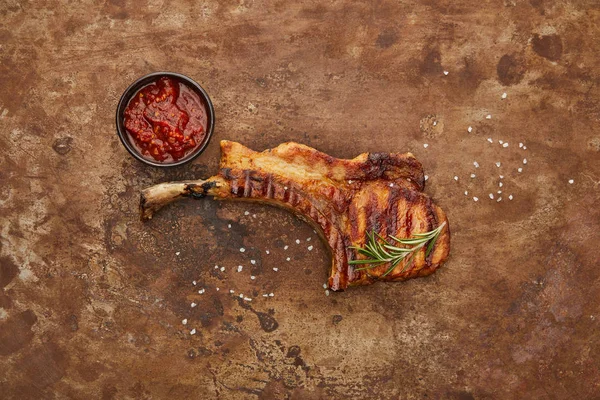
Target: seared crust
[345, 199]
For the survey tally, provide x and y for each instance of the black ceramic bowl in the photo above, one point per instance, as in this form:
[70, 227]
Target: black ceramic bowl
[144, 81]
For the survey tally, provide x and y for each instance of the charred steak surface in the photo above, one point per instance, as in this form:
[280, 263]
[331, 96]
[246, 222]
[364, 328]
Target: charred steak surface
[343, 199]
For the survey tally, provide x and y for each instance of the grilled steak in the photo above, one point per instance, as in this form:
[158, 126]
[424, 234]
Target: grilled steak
[343, 199]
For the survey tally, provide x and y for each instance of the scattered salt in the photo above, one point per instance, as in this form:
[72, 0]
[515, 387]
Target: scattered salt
[476, 164]
[500, 184]
[510, 197]
[178, 253]
[265, 295]
[489, 116]
[524, 161]
[252, 277]
[391, 185]
[472, 175]
[500, 141]
[446, 72]
[285, 188]
[201, 291]
[571, 181]
[524, 147]
[242, 249]
[324, 286]
[246, 212]
[271, 294]
[455, 178]
[425, 145]
[475, 199]
[498, 164]
[275, 269]
[501, 176]
[240, 268]
[222, 269]
[499, 199]
[426, 177]
[253, 262]
[504, 95]
[241, 295]
[193, 332]
[194, 283]
[434, 123]
[326, 292]
[492, 196]
[288, 259]
[490, 140]
[520, 169]
[286, 247]
[231, 291]
[297, 241]
[184, 321]
[193, 305]
[520, 145]
[310, 248]
[253, 215]
[267, 251]
[247, 299]
[308, 239]
[466, 193]
[229, 226]
[505, 145]
[470, 129]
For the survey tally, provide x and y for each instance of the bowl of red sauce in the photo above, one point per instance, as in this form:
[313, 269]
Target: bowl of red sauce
[165, 119]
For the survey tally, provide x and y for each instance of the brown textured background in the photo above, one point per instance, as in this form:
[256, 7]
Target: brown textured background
[91, 299]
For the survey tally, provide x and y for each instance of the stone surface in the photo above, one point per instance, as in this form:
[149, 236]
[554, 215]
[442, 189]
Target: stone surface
[92, 300]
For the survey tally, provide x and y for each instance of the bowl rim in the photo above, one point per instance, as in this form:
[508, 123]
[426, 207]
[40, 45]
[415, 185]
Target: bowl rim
[139, 83]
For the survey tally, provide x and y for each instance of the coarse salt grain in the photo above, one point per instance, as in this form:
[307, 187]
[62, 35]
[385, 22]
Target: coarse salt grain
[201, 291]
[275, 269]
[229, 226]
[285, 188]
[510, 197]
[178, 253]
[499, 191]
[222, 269]
[217, 289]
[469, 129]
[193, 305]
[446, 72]
[350, 182]
[194, 283]
[265, 295]
[520, 145]
[490, 140]
[476, 164]
[271, 294]
[308, 239]
[500, 184]
[571, 181]
[520, 169]
[310, 248]
[466, 193]
[267, 252]
[505, 145]
[498, 164]
[391, 185]
[501, 176]
[491, 196]
[216, 267]
[246, 212]
[489, 116]
[455, 177]
[193, 332]
[504, 95]
[242, 249]
[472, 175]
[499, 199]
[286, 247]
[500, 141]
[241, 295]
[524, 147]
[434, 123]
[253, 262]
[287, 259]
[426, 177]
[253, 215]
[425, 145]
[240, 268]
[324, 286]
[475, 198]
[247, 299]
[326, 292]
[184, 321]
[297, 241]
[524, 161]
[252, 277]
[231, 291]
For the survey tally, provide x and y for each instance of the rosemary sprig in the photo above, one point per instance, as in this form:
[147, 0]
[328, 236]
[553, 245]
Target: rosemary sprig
[379, 251]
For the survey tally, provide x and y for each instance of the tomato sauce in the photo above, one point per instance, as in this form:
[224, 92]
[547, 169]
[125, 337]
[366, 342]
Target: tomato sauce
[166, 120]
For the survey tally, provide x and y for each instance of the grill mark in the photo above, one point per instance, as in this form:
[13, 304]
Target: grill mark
[371, 214]
[354, 222]
[247, 184]
[269, 189]
[392, 212]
